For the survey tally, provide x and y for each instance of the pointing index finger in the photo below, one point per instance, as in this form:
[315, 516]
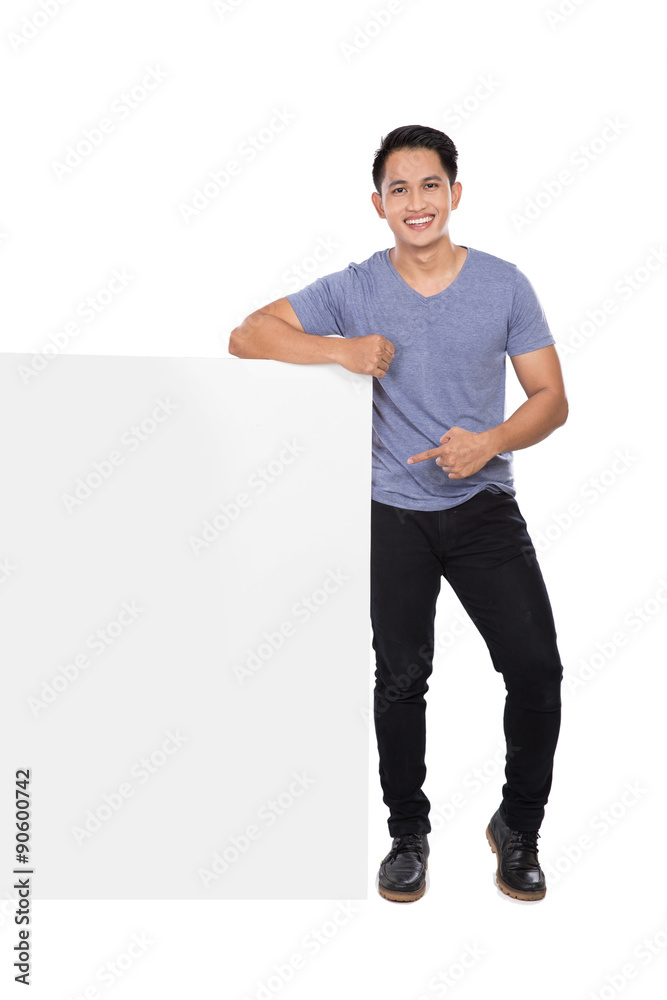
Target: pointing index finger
[421, 456]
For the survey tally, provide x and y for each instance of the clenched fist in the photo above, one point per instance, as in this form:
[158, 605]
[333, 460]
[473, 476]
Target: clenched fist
[369, 355]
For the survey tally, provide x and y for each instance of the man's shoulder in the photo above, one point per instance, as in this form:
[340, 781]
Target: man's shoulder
[371, 265]
[376, 259]
[367, 273]
[496, 265]
[377, 263]
[359, 275]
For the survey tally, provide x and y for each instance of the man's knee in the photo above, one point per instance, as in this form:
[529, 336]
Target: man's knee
[399, 684]
[535, 681]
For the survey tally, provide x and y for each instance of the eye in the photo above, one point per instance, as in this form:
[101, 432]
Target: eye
[433, 184]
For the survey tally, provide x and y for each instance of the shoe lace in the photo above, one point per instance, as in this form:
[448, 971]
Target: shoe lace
[407, 842]
[524, 838]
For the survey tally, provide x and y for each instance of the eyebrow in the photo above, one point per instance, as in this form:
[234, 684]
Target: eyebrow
[432, 177]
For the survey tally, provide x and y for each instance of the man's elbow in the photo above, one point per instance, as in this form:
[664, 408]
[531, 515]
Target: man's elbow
[234, 346]
[238, 338]
[563, 411]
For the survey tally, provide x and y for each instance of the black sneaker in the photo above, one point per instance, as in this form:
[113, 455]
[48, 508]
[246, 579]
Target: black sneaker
[518, 871]
[402, 875]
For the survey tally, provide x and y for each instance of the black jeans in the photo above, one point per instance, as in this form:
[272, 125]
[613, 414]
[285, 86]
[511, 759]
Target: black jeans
[483, 549]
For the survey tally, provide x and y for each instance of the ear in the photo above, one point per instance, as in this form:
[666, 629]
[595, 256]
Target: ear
[457, 188]
[377, 201]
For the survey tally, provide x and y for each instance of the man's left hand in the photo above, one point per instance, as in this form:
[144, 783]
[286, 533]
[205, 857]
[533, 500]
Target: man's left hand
[461, 453]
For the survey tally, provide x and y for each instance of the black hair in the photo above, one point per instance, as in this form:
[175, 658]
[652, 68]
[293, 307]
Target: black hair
[415, 137]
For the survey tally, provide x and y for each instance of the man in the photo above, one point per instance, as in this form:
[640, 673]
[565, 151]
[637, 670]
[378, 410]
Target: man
[433, 323]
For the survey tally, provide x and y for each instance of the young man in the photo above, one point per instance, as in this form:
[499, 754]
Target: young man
[433, 322]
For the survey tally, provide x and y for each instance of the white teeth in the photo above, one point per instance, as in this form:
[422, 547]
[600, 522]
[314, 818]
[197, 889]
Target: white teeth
[418, 222]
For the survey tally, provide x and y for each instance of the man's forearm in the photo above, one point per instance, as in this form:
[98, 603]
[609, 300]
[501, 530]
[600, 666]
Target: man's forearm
[533, 421]
[266, 336]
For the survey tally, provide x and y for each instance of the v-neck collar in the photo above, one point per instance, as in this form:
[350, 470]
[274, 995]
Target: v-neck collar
[425, 298]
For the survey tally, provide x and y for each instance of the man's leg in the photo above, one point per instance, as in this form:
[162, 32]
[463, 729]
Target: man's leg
[405, 581]
[491, 564]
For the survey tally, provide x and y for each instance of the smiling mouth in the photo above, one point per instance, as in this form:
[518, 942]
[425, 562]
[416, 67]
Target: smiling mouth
[421, 223]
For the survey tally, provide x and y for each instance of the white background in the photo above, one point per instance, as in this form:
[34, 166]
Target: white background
[534, 91]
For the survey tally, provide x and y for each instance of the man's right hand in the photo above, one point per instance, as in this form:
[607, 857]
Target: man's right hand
[369, 355]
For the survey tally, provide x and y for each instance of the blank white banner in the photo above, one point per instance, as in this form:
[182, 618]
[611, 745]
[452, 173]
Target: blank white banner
[185, 623]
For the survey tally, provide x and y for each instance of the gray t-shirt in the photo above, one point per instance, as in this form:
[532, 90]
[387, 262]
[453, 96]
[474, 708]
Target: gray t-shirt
[448, 368]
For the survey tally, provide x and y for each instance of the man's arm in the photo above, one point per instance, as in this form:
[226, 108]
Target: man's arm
[275, 333]
[462, 453]
[546, 408]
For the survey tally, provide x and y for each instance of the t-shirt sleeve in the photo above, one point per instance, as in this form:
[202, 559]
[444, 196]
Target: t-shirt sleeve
[320, 305]
[528, 329]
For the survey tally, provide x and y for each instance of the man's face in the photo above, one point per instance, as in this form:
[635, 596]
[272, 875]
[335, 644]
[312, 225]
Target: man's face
[416, 186]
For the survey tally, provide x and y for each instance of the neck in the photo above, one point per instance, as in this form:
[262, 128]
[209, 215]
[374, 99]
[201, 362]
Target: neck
[435, 261]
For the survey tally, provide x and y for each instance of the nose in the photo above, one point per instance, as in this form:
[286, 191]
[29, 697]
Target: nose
[415, 203]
